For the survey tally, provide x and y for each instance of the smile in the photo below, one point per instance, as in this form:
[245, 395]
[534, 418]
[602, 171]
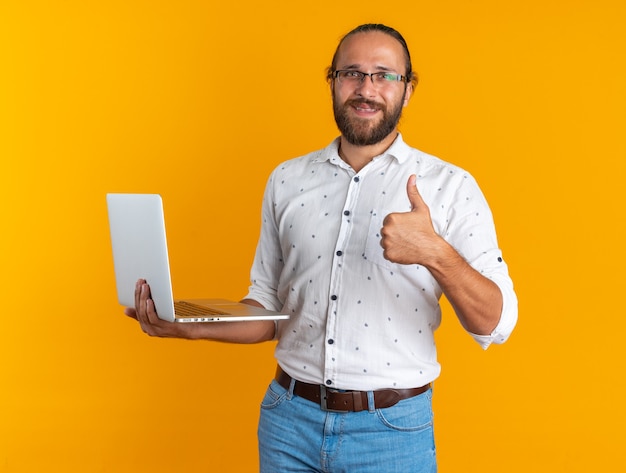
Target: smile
[364, 108]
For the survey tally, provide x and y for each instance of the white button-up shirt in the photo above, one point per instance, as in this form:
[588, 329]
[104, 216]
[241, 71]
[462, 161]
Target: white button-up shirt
[359, 321]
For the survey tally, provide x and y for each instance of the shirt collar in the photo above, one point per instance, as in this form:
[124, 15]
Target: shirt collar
[398, 150]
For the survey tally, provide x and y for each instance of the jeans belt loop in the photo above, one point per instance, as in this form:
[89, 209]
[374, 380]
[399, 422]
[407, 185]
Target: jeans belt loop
[292, 385]
[370, 401]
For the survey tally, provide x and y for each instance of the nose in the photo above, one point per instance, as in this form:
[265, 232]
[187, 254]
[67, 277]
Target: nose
[366, 87]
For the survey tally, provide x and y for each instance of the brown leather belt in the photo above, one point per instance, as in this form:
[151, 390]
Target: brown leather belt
[346, 401]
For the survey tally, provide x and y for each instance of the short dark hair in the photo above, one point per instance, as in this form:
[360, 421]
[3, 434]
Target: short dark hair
[388, 30]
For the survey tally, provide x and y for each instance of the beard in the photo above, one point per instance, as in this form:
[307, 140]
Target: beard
[365, 132]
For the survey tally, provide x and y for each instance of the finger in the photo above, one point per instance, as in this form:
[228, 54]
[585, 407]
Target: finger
[130, 312]
[143, 309]
[414, 196]
[151, 313]
[141, 296]
[144, 297]
[138, 284]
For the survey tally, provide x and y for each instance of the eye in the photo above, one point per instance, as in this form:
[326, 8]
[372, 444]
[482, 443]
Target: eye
[386, 76]
[353, 74]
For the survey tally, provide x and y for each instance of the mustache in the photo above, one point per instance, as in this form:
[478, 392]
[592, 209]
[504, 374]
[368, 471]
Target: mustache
[370, 103]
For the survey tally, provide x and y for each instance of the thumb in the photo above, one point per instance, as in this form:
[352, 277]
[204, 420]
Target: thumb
[414, 196]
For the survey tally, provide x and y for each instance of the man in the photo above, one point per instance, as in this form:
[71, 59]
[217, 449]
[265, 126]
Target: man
[360, 257]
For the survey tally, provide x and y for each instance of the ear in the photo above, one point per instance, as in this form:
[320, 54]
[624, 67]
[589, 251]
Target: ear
[408, 94]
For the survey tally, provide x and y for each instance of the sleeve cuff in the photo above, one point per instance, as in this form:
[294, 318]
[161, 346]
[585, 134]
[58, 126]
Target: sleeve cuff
[508, 318]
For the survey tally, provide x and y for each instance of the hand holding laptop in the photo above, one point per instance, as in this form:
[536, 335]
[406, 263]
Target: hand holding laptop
[144, 285]
[145, 313]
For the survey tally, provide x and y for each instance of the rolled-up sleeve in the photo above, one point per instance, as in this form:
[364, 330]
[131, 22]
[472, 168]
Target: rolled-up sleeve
[471, 231]
[268, 262]
[508, 317]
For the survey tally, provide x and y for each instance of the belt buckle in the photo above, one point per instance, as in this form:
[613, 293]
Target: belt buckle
[323, 402]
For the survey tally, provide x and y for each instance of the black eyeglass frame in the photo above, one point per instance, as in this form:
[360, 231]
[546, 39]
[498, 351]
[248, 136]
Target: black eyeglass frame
[362, 75]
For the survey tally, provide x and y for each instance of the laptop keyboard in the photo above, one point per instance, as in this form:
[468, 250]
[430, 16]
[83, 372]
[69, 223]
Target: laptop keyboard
[188, 309]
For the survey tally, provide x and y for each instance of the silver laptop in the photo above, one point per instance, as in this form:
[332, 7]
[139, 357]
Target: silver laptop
[139, 244]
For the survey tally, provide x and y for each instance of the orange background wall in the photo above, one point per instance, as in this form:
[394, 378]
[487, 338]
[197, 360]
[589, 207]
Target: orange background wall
[198, 101]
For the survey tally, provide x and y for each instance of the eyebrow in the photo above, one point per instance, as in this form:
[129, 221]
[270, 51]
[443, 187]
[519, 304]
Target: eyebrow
[358, 67]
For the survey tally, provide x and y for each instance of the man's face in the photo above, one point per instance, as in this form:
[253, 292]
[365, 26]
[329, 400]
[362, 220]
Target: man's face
[366, 113]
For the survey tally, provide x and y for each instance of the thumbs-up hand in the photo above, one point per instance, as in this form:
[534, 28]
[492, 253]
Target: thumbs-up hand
[409, 237]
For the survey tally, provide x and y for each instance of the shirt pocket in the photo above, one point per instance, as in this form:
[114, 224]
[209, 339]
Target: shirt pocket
[373, 251]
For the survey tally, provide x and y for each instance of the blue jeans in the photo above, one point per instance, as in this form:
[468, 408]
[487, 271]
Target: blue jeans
[295, 435]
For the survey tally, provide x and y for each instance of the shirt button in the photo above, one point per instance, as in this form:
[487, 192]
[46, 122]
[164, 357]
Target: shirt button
[357, 179]
[333, 297]
[331, 341]
[346, 212]
[339, 253]
[329, 382]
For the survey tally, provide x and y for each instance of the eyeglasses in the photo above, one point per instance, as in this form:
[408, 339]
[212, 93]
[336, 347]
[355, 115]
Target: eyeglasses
[379, 79]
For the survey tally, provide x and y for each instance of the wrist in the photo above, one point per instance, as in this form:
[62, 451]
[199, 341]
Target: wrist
[441, 256]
